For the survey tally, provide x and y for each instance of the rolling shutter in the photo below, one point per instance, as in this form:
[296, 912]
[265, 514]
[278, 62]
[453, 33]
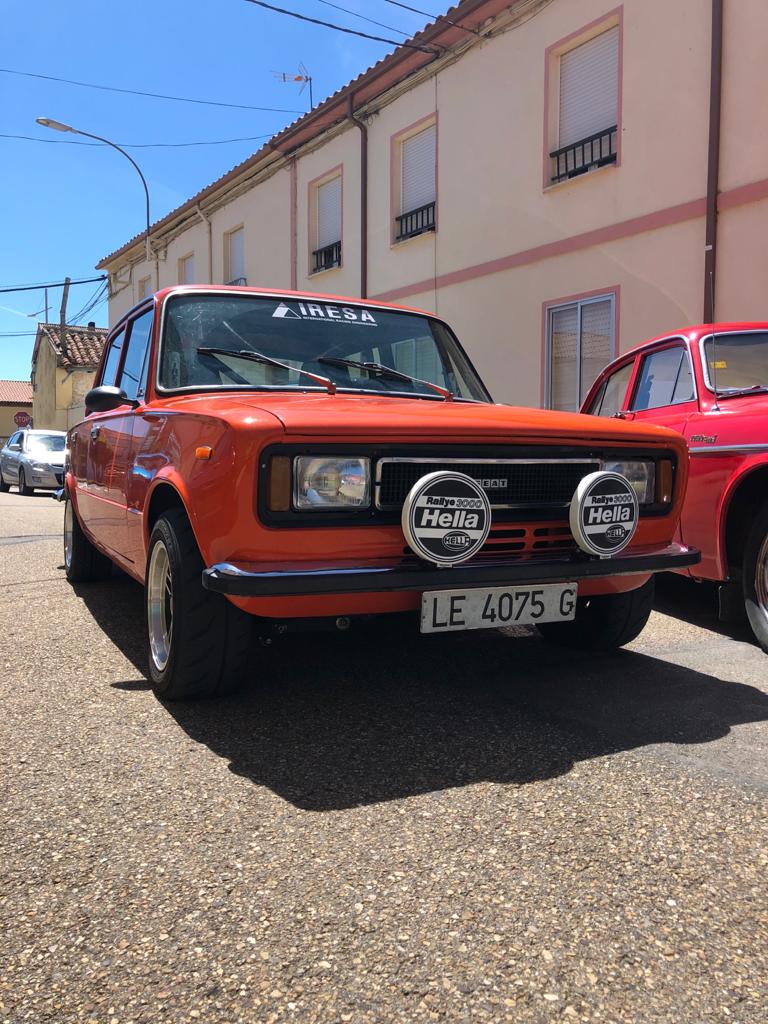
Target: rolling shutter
[419, 159]
[329, 213]
[596, 342]
[563, 349]
[236, 241]
[589, 86]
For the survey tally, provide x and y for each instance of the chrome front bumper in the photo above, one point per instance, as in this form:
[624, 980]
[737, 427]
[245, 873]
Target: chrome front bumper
[302, 579]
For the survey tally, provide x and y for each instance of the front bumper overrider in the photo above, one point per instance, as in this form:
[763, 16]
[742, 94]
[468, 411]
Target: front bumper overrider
[303, 579]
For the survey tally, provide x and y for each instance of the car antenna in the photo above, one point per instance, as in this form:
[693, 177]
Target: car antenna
[716, 406]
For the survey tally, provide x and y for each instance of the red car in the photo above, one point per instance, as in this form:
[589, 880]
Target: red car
[296, 460]
[711, 384]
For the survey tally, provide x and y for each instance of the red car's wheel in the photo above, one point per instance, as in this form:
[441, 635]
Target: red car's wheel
[755, 577]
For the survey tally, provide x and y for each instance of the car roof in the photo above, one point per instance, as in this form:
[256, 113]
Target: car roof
[697, 331]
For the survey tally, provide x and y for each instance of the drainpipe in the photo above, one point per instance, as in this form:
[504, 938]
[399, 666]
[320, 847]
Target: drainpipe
[363, 196]
[210, 241]
[713, 162]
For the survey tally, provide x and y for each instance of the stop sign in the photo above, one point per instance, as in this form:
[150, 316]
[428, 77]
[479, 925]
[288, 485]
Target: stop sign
[22, 419]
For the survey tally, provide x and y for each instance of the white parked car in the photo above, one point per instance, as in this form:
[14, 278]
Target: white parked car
[33, 459]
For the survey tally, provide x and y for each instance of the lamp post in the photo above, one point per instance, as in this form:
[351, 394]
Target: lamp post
[57, 126]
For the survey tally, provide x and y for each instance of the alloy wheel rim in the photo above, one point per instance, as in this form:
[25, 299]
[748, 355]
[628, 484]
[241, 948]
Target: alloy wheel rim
[160, 606]
[68, 534]
[761, 577]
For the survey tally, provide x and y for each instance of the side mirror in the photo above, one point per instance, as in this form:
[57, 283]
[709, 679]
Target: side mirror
[106, 398]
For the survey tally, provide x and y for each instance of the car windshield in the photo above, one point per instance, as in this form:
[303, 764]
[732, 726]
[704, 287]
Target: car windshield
[737, 361]
[46, 442]
[311, 336]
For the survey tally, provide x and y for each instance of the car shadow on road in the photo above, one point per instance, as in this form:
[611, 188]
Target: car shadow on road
[332, 721]
[697, 603]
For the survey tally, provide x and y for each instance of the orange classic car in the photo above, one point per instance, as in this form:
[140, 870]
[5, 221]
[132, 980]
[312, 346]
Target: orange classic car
[286, 460]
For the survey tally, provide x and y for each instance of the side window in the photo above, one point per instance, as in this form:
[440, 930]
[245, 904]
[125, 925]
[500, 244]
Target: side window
[14, 438]
[132, 376]
[610, 398]
[113, 359]
[665, 379]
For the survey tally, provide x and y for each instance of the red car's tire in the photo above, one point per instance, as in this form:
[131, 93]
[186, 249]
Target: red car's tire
[197, 641]
[755, 577]
[605, 622]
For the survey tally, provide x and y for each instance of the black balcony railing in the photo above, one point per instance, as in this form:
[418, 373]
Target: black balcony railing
[416, 222]
[327, 257]
[595, 151]
[238, 280]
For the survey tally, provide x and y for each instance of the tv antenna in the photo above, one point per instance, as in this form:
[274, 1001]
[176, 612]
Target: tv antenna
[302, 75]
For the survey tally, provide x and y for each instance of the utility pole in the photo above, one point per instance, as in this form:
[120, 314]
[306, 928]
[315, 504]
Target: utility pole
[63, 318]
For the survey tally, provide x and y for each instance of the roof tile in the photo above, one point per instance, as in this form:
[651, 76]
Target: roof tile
[15, 392]
[84, 344]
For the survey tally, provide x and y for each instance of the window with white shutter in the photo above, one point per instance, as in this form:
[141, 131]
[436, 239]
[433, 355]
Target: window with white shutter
[144, 287]
[234, 256]
[588, 106]
[328, 225]
[187, 269]
[418, 183]
[580, 343]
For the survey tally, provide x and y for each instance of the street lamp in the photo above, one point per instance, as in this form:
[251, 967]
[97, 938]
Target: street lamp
[57, 126]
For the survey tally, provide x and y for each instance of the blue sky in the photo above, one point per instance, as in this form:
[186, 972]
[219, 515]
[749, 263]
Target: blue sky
[64, 207]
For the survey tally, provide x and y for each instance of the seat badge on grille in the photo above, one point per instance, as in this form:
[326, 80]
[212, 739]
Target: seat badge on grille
[446, 517]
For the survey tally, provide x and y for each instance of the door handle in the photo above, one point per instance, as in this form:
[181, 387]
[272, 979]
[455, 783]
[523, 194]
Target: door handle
[95, 431]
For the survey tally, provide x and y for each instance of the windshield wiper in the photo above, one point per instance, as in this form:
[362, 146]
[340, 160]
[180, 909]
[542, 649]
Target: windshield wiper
[755, 389]
[258, 357]
[379, 370]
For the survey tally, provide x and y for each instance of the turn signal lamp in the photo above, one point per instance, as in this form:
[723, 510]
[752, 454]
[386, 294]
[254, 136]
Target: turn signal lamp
[204, 452]
[279, 484]
[664, 481]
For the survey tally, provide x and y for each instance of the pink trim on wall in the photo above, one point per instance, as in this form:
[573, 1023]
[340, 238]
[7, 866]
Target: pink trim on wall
[337, 171]
[743, 194]
[616, 16]
[614, 290]
[599, 236]
[394, 167]
[294, 240]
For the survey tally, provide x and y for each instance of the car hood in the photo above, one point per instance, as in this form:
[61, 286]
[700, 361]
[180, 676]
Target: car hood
[369, 416]
[46, 458]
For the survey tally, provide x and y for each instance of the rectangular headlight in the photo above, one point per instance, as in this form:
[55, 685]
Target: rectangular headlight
[331, 482]
[641, 474]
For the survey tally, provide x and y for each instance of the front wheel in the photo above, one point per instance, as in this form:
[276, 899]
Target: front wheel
[604, 622]
[755, 577]
[198, 642]
[23, 488]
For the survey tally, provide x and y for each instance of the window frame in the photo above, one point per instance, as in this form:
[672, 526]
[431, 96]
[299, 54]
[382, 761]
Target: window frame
[396, 176]
[148, 279]
[142, 383]
[552, 55]
[243, 279]
[588, 298]
[313, 219]
[180, 265]
[674, 341]
[105, 358]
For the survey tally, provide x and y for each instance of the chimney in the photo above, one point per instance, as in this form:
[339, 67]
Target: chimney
[91, 325]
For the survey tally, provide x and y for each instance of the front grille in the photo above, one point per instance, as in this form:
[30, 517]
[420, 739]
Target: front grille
[508, 483]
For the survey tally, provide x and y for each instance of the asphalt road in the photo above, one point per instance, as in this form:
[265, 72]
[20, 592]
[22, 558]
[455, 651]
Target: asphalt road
[381, 828]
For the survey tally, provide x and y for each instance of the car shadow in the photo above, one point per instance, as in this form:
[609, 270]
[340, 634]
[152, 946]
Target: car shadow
[697, 603]
[331, 721]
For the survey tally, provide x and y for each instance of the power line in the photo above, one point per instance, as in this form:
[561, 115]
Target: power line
[340, 28]
[153, 95]
[55, 284]
[140, 145]
[362, 17]
[434, 17]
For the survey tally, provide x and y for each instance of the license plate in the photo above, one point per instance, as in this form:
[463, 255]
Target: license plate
[446, 610]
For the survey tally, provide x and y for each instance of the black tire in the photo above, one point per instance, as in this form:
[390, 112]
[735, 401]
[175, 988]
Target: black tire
[755, 577]
[4, 485]
[603, 623]
[204, 651]
[83, 563]
[23, 488]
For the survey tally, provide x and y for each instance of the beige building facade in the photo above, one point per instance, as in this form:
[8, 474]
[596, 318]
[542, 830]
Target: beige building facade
[551, 176]
[63, 373]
